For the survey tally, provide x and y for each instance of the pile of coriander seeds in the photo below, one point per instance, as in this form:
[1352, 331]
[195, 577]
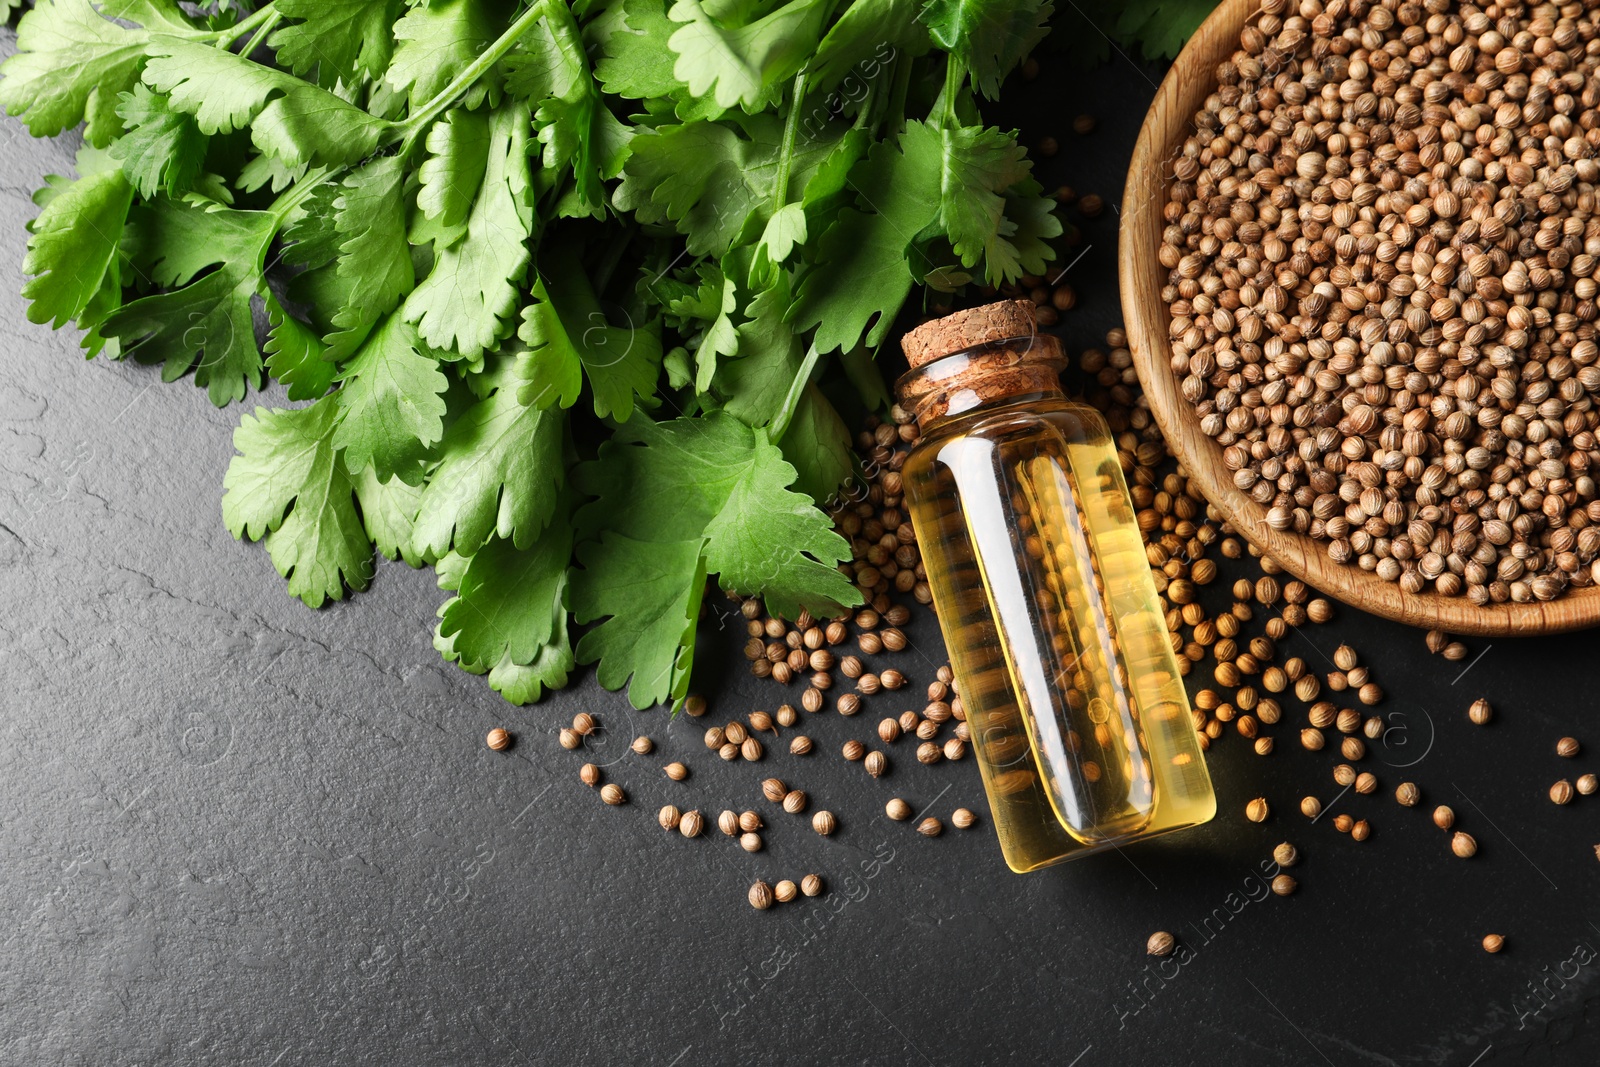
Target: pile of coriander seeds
[1381, 241]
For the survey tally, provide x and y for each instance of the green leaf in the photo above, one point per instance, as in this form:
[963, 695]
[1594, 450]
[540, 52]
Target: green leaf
[389, 513]
[458, 153]
[988, 37]
[374, 257]
[648, 594]
[785, 230]
[436, 42]
[509, 604]
[162, 150]
[392, 400]
[207, 324]
[339, 39]
[870, 35]
[500, 465]
[744, 65]
[73, 61]
[637, 62]
[757, 383]
[464, 303]
[296, 355]
[73, 249]
[1160, 27]
[817, 445]
[288, 486]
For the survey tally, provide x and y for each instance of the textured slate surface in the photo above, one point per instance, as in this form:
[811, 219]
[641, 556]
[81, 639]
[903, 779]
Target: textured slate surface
[235, 831]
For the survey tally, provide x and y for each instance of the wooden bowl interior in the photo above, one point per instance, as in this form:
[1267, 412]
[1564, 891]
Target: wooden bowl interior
[1141, 277]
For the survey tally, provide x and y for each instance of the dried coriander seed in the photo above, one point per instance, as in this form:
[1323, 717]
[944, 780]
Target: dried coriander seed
[1567, 747]
[795, 801]
[761, 896]
[1493, 943]
[1257, 810]
[848, 704]
[669, 818]
[1310, 807]
[824, 823]
[1160, 943]
[898, 810]
[963, 819]
[1360, 830]
[1286, 855]
[1407, 794]
[1480, 712]
[811, 885]
[643, 745]
[1343, 823]
[750, 822]
[785, 891]
[734, 733]
[1284, 884]
[691, 824]
[889, 731]
[930, 827]
[800, 745]
[728, 752]
[875, 763]
[570, 739]
[1463, 845]
[1561, 792]
[694, 706]
[498, 739]
[750, 842]
[774, 790]
[1366, 783]
[583, 724]
[589, 774]
[1443, 817]
[853, 750]
[612, 794]
[728, 823]
[751, 750]
[676, 771]
[1587, 783]
[929, 752]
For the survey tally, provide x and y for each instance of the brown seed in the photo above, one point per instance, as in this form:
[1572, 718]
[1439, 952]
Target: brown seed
[889, 730]
[669, 818]
[735, 733]
[498, 739]
[643, 745]
[963, 819]
[1344, 774]
[785, 891]
[811, 700]
[691, 824]
[750, 842]
[570, 739]
[785, 715]
[1587, 783]
[1369, 693]
[1310, 807]
[612, 794]
[774, 790]
[1284, 884]
[800, 745]
[1352, 748]
[848, 704]
[1360, 831]
[694, 706]
[811, 885]
[853, 750]
[876, 763]
[728, 823]
[954, 748]
[927, 729]
[1561, 792]
[589, 774]
[729, 752]
[891, 679]
[1567, 747]
[750, 821]
[1343, 823]
[1311, 739]
[583, 724]
[676, 771]
[1480, 712]
[751, 749]
[1463, 845]
[930, 827]
[824, 823]
[1257, 810]
[795, 802]
[868, 683]
[1407, 794]
[1366, 783]
[1443, 817]
[1344, 657]
[1263, 746]
[898, 810]
[1493, 943]
[1286, 855]
[1160, 943]
[929, 752]
[761, 896]
[1455, 651]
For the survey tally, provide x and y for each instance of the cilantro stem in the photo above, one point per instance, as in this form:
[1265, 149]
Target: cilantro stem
[897, 96]
[797, 389]
[226, 38]
[300, 191]
[260, 35]
[791, 130]
[954, 73]
[413, 126]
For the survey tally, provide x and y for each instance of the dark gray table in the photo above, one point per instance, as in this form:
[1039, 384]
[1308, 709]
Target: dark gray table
[235, 831]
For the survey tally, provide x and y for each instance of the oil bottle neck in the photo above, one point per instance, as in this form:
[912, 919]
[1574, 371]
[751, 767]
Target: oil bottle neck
[985, 375]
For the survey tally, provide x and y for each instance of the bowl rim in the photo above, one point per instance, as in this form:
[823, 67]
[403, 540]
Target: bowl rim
[1140, 278]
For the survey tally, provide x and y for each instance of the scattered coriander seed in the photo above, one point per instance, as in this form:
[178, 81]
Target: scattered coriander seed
[785, 891]
[583, 724]
[908, 722]
[929, 752]
[1160, 943]
[669, 818]
[1443, 817]
[760, 721]
[1353, 748]
[498, 739]
[1344, 775]
[795, 801]
[786, 715]
[761, 896]
[1284, 884]
[612, 794]
[751, 749]
[1286, 855]
[1407, 794]
[1310, 807]
[750, 822]
[750, 842]
[1436, 640]
[876, 763]
[963, 819]
[589, 774]
[1311, 739]
[1566, 747]
[735, 733]
[853, 750]
[1587, 783]
[891, 679]
[898, 810]
[824, 823]
[1561, 792]
[1480, 712]
[694, 706]
[954, 748]
[848, 704]
[811, 885]
[800, 745]
[1343, 823]
[1263, 746]
[811, 700]
[1257, 810]
[889, 731]
[1366, 783]
[1455, 651]
[570, 739]
[729, 752]
[1344, 658]
[1369, 693]
[676, 771]
[728, 823]
[1360, 830]
[691, 824]
[930, 827]
[1493, 943]
[643, 745]
[1463, 845]
[774, 790]
[927, 730]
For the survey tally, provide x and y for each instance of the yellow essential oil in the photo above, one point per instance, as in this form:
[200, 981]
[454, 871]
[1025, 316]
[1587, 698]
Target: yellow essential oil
[1056, 635]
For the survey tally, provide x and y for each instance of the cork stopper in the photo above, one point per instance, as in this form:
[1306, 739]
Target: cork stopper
[977, 357]
[1000, 321]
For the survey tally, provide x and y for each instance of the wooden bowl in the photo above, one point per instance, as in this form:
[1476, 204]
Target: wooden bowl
[1141, 277]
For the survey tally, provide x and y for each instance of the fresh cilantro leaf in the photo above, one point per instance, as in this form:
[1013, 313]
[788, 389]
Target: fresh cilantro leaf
[568, 337]
[162, 150]
[869, 35]
[464, 303]
[207, 320]
[73, 251]
[73, 61]
[389, 514]
[296, 356]
[1160, 27]
[500, 465]
[784, 230]
[817, 445]
[288, 486]
[757, 383]
[392, 403]
[637, 63]
[339, 39]
[370, 214]
[988, 36]
[648, 594]
[458, 147]
[436, 42]
[712, 303]
[510, 602]
[744, 65]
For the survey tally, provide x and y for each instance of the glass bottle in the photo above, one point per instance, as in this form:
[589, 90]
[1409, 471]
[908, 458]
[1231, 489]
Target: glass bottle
[1059, 645]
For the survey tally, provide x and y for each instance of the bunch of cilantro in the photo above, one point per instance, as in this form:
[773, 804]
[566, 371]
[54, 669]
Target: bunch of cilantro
[550, 288]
